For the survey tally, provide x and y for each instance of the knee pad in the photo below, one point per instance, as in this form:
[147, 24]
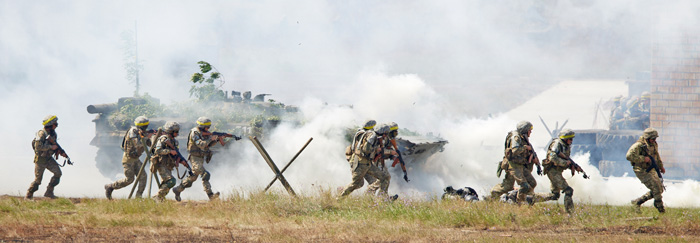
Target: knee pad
[170, 183]
[54, 181]
[206, 175]
[568, 191]
[525, 187]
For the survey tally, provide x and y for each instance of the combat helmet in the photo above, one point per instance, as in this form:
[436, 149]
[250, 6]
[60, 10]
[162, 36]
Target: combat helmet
[523, 127]
[369, 124]
[171, 127]
[394, 129]
[50, 120]
[203, 122]
[382, 129]
[566, 134]
[646, 95]
[650, 133]
[141, 122]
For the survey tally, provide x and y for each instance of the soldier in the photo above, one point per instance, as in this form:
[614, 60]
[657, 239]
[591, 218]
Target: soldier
[556, 162]
[133, 146]
[641, 155]
[164, 158]
[517, 162]
[198, 143]
[363, 149]
[378, 176]
[617, 114]
[43, 150]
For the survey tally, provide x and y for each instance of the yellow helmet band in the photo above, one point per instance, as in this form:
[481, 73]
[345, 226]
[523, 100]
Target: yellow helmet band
[394, 128]
[204, 124]
[567, 136]
[369, 127]
[49, 120]
[141, 124]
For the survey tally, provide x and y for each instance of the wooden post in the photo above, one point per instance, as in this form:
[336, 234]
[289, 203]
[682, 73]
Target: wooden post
[288, 164]
[272, 165]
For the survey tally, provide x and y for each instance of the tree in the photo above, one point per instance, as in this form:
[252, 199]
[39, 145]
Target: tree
[203, 87]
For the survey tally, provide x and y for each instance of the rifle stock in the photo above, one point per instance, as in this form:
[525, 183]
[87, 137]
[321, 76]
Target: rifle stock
[179, 158]
[400, 160]
[653, 165]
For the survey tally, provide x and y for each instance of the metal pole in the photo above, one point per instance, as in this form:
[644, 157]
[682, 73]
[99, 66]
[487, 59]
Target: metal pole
[272, 164]
[288, 164]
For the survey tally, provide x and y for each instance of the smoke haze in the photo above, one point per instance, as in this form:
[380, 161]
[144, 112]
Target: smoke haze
[454, 68]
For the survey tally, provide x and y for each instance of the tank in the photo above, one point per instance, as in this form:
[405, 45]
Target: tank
[239, 113]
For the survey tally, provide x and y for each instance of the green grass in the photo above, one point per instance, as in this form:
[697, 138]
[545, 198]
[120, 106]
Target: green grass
[363, 216]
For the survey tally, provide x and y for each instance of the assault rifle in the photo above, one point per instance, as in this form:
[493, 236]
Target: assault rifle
[399, 160]
[222, 135]
[179, 158]
[533, 156]
[574, 167]
[59, 151]
[653, 165]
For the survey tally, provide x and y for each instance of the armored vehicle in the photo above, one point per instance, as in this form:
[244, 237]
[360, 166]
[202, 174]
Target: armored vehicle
[237, 113]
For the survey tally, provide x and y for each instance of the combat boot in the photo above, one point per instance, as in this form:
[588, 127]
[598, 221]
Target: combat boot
[213, 196]
[108, 191]
[659, 205]
[30, 195]
[394, 197]
[176, 191]
[49, 193]
[636, 206]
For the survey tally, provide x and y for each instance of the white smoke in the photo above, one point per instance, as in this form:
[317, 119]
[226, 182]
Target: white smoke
[430, 67]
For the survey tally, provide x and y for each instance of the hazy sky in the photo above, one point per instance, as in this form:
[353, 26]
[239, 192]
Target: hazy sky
[436, 66]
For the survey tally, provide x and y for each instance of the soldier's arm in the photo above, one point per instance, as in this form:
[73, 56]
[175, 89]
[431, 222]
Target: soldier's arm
[41, 143]
[161, 148]
[202, 143]
[517, 147]
[634, 153]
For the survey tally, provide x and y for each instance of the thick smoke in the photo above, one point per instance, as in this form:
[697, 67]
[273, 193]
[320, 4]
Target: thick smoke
[431, 67]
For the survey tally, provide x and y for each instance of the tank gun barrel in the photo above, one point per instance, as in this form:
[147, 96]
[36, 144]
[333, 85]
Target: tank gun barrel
[101, 108]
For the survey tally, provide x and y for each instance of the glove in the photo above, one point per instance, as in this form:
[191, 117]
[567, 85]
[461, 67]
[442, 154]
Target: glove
[405, 177]
[539, 170]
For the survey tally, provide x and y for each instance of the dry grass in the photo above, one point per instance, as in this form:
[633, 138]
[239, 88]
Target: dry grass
[277, 217]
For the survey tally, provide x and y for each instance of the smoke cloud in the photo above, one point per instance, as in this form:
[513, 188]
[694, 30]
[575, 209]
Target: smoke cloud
[454, 68]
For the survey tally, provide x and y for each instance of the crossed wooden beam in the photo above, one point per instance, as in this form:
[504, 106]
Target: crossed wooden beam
[273, 167]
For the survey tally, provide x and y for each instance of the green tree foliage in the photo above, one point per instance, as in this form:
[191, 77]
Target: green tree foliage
[203, 87]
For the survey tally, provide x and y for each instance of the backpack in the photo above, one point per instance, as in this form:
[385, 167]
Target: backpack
[355, 140]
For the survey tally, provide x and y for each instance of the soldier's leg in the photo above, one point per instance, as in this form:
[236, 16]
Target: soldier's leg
[656, 190]
[52, 165]
[168, 181]
[518, 172]
[39, 167]
[358, 174]
[385, 182]
[504, 187]
[129, 174]
[198, 165]
[376, 173]
[568, 199]
[142, 180]
[369, 177]
[647, 180]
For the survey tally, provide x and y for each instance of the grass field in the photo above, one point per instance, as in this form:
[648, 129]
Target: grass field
[269, 217]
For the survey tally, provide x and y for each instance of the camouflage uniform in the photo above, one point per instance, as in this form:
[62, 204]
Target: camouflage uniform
[640, 149]
[361, 159]
[617, 114]
[44, 161]
[517, 166]
[554, 166]
[163, 163]
[378, 176]
[133, 149]
[198, 147]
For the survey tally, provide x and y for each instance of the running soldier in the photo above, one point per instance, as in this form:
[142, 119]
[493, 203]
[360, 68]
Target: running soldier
[363, 149]
[378, 176]
[518, 164]
[165, 158]
[556, 162]
[133, 145]
[45, 146]
[198, 143]
[644, 154]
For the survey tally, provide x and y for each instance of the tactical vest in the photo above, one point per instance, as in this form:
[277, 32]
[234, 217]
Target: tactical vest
[366, 148]
[355, 140]
[132, 150]
[508, 151]
[192, 147]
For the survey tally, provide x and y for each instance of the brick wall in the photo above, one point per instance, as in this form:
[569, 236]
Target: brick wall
[675, 101]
